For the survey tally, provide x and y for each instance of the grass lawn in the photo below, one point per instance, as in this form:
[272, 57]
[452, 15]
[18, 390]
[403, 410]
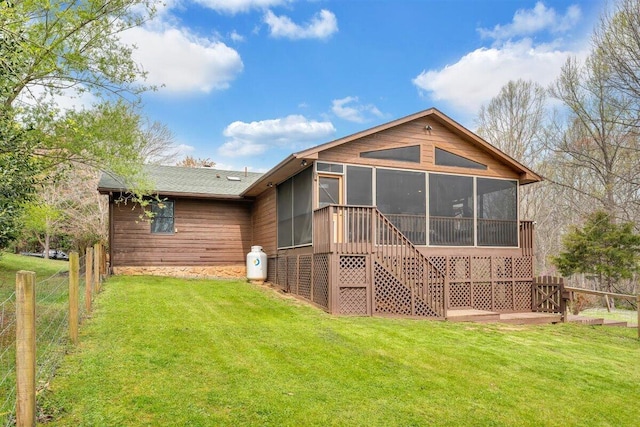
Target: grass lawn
[162, 351]
[10, 264]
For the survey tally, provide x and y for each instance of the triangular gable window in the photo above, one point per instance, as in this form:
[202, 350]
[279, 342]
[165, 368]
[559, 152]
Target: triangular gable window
[402, 154]
[445, 158]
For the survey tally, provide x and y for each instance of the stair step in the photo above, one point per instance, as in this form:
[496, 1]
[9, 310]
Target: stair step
[585, 320]
[530, 318]
[471, 315]
[620, 323]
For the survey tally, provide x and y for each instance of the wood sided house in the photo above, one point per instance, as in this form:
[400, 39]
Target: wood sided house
[414, 217]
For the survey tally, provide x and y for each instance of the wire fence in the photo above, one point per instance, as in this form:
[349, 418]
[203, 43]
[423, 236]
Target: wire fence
[52, 333]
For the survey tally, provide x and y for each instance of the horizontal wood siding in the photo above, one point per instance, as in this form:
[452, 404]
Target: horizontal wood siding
[414, 133]
[208, 233]
[264, 221]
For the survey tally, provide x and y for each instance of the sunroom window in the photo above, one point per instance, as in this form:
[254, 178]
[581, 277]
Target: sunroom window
[359, 186]
[497, 203]
[294, 210]
[451, 210]
[401, 197]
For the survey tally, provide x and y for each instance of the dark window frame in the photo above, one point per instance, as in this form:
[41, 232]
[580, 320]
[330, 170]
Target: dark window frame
[160, 217]
[446, 158]
[388, 154]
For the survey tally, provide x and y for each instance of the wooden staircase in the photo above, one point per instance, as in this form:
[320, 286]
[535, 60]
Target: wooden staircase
[409, 267]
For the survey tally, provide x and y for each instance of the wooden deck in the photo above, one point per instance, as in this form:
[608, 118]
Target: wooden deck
[471, 315]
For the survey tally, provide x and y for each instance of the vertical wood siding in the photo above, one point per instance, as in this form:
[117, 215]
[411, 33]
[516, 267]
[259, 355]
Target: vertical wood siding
[209, 233]
[265, 221]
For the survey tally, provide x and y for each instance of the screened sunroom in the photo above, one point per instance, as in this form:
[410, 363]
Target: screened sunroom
[428, 208]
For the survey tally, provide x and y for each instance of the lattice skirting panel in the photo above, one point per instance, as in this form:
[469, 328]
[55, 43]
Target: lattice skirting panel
[501, 284]
[353, 301]
[321, 280]
[393, 298]
[352, 285]
[304, 275]
[504, 296]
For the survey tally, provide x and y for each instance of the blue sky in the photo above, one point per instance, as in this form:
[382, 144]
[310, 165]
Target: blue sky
[247, 82]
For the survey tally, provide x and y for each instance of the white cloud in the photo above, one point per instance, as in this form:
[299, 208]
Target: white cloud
[255, 138]
[478, 76]
[182, 62]
[530, 21]
[321, 26]
[236, 37]
[349, 109]
[237, 6]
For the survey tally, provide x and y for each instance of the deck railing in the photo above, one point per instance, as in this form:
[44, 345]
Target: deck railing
[447, 231]
[349, 231]
[526, 237]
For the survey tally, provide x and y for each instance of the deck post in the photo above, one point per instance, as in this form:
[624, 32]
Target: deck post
[445, 292]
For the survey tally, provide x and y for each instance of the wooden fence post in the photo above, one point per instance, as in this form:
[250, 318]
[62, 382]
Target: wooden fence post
[88, 279]
[74, 275]
[25, 348]
[96, 266]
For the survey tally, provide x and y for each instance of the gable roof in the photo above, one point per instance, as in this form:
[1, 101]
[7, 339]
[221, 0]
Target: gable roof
[294, 162]
[187, 182]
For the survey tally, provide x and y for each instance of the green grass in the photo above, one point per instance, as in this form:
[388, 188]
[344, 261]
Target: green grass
[51, 321]
[10, 264]
[161, 351]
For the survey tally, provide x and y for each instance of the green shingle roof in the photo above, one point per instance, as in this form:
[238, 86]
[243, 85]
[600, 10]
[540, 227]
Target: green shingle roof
[175, 180]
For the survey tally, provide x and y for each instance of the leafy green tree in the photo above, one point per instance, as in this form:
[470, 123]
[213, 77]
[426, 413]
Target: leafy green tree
[18, 174]
[69, 44]
[54, 48]
[42, 219]
[601, 248]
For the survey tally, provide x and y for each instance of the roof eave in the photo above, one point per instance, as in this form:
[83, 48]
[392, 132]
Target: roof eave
[188, 195]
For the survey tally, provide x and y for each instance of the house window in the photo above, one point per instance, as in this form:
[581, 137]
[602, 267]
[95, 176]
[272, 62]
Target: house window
[401, 197]
[295, 210]
[497, 204]
[401, 154]
[163, 218]
[445, 158]
[329, 167]
[451, 210]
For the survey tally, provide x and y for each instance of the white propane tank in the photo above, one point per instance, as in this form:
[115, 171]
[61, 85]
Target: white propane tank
[256, 264]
